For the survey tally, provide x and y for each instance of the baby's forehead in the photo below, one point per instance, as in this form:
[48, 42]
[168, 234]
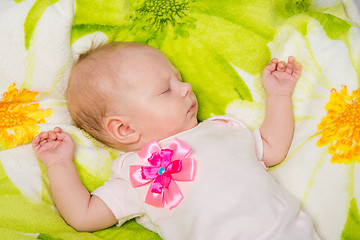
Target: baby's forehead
[122, 64]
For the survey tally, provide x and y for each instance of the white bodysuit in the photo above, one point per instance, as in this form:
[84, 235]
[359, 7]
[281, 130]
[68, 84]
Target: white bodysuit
[231, 196]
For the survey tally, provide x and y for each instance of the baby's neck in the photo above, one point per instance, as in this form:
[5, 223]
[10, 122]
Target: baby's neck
[138, 145]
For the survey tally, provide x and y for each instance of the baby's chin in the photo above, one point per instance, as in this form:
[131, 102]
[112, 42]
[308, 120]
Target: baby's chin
[195, 123]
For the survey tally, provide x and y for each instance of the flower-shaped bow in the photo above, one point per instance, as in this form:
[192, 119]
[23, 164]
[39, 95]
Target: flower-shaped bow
[167, 166]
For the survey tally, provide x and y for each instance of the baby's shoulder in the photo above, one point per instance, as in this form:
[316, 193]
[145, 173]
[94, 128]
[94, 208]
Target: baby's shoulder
[119, 163]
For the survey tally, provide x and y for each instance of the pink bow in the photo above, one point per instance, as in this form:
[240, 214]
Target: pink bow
[167, 166]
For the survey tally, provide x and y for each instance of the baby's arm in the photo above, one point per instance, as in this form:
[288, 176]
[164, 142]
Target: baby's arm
[279, 80]
[79, 209]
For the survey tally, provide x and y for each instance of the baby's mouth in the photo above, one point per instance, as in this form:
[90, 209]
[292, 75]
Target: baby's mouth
[192, 108]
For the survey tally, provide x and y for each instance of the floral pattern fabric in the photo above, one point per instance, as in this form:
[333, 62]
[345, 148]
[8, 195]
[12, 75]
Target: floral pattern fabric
[20, 116]
[220, 47]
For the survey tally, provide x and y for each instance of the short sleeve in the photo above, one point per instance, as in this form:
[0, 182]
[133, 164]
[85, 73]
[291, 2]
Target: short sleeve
[120, 198]
[259, 148]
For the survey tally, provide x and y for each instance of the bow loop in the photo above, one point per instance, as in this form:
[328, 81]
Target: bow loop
[149, 172]
[166, 155]
[174, 167]
[166, 167]
[155, 159]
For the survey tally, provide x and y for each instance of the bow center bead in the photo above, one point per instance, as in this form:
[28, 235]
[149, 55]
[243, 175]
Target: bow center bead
[161, 171]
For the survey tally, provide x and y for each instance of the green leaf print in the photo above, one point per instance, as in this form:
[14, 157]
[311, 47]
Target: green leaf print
[335, 27]
[33, 18]
[352, 225]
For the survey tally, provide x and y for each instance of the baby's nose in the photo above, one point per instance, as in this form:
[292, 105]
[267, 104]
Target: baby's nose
[186, 88]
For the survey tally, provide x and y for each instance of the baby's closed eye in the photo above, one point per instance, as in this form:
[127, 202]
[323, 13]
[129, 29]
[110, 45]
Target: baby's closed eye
[166, 91]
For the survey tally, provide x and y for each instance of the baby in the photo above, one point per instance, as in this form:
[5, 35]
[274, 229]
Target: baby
[181, 179]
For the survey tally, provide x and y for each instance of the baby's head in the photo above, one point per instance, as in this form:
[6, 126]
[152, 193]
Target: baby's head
[126, 94]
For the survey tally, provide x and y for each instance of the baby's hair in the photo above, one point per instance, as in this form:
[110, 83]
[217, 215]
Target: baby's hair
[87, 101]
[93, 48]
[91, 79]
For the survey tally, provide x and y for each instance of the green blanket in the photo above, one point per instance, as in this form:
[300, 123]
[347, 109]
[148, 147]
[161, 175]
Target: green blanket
[220, 47]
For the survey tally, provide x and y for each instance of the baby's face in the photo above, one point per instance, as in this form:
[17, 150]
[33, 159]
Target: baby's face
[158, 102]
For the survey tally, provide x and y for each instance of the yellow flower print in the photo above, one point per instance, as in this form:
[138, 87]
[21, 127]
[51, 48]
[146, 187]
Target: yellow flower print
[19, 115]
[341, 126]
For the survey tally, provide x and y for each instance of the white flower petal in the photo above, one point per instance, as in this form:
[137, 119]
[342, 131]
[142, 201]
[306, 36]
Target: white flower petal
[352, 8]
[299, 166]
[253, 83]
[357, 183]
[310, 176]
[12, 67]
[51, 35]
[332, 56]
[328, 202]
[23, 170]
[354, 42]
[250, 113]
[321, 4]
[88, 42]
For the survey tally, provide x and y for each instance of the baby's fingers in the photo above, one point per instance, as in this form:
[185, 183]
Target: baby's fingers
[44, 137]
[52, 136]
[281, 66]
[60, 134]
[297, 71]
[270, 68]
[290, 65]
[58, 130]
[36, 141]
[40, 139]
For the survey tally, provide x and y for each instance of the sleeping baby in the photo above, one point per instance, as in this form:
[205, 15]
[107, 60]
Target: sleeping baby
[179, 178]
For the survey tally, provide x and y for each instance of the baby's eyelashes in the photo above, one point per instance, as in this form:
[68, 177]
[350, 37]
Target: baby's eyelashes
[166, 91]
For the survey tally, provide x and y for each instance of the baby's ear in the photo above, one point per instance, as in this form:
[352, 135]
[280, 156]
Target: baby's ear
[120, 129]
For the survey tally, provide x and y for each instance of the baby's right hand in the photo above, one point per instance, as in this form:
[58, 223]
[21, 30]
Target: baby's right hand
[54, 147]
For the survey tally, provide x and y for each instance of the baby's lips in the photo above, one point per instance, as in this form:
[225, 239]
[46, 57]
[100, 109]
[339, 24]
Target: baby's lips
[192, 107]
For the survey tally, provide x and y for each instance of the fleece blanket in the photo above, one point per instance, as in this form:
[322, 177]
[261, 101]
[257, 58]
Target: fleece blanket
[220, 47]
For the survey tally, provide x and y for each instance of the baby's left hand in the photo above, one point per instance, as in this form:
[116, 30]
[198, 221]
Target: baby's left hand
[279, 78]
